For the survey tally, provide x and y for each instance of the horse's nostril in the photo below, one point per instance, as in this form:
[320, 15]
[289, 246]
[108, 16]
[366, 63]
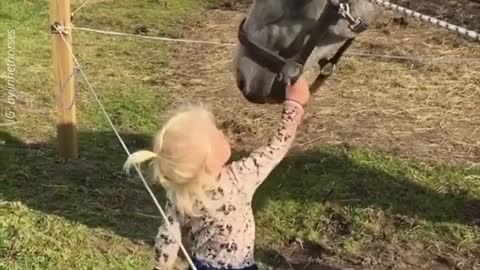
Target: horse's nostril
[250, 95]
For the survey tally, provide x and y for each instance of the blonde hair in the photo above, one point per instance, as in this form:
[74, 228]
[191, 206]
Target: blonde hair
[179, 157]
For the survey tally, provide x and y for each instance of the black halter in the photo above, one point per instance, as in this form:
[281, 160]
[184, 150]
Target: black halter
[289, 70]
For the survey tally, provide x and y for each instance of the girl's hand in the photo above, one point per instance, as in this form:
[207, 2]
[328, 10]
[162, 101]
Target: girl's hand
[299, 92]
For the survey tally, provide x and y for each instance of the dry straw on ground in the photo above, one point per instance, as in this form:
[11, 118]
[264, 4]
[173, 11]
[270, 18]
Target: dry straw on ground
[422, 110]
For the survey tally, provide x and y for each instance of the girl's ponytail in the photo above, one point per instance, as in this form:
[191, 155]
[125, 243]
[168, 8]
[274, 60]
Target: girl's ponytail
[138, 158]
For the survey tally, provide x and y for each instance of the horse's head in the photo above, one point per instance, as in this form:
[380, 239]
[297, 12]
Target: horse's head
[278, 37]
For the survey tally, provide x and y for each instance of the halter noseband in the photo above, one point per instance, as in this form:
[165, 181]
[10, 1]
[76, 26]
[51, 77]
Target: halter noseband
[289, 70]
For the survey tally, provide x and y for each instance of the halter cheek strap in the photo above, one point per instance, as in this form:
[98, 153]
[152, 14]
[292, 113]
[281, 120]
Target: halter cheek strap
[285, 69]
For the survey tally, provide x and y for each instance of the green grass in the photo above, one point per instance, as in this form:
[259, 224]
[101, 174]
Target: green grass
[353, 201]
[53, 214]
[86, 214]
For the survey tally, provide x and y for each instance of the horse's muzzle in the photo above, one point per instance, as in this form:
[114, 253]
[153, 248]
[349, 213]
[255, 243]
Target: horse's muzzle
[269, 91]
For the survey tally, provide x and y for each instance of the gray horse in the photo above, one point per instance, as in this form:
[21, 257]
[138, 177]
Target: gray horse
[294, 33]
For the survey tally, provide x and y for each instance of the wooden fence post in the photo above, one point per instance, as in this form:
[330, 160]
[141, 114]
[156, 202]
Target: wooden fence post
[64, 76]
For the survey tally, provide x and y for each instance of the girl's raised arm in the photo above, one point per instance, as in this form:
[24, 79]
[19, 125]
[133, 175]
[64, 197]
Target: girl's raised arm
[251, 171]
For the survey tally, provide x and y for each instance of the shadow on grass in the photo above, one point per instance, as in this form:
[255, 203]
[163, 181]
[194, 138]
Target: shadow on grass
[94, 191]
[356, 179]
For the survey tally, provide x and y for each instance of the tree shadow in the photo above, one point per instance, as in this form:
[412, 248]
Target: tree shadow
[332, 175]
[94, 190]
[341, 179]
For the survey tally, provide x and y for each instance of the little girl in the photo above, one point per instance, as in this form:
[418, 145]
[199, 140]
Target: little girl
[208, 198]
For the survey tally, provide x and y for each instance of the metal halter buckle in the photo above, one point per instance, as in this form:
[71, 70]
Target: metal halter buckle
[328, 69]
[290, 73]
[357, 25]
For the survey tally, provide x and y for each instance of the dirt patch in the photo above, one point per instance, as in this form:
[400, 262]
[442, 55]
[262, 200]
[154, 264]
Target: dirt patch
[337, 224]
[311, 256]
[304, 255]
[473, 213]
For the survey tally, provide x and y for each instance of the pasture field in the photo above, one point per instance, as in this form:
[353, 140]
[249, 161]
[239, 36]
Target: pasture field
[385, 173]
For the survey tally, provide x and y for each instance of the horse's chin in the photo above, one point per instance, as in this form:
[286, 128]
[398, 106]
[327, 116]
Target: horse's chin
[277, 93]
[271, 99]
[266, 100]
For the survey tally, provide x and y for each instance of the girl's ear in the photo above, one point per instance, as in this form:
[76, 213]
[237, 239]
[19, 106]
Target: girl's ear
[219, 153]
[212, 164]
[215, 161]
